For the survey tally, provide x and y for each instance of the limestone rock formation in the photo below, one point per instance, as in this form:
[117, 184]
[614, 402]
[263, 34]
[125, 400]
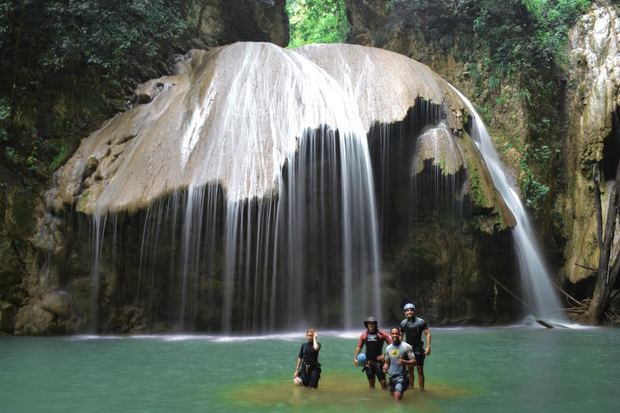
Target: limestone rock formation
[441, 148]
[593, 134]
[233, 115]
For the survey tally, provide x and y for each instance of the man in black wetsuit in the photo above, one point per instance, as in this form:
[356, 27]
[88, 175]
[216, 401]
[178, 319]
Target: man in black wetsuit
[373, 339]
[413, 327]
[308, 368]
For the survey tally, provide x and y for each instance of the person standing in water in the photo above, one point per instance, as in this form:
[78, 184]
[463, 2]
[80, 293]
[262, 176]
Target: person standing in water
[413, 327]
[398, 355]
[373, 340]
[308, 368]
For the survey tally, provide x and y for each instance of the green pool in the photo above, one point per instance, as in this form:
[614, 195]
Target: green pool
[470, 370]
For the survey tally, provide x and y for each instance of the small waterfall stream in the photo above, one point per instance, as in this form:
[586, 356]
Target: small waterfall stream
[535, 278]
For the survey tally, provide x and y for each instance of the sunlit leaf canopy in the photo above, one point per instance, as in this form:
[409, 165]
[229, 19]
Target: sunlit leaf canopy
[317, 21]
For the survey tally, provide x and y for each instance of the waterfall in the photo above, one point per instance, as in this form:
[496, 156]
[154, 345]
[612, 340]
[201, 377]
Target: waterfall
[242, 196]
[274, 225]
[535, 278]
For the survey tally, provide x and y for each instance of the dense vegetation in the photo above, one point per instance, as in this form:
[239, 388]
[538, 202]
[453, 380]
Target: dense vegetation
[67, 65]
[322, 21]
[515, 43]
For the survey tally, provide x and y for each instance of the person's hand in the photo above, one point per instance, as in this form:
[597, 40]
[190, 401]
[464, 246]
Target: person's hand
[427, 352]
[316, 336]
[400, 361]
[355, 362]
[380, 357]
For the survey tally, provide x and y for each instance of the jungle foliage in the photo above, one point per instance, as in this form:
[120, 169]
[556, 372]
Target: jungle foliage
[314, 21]
[66, 65]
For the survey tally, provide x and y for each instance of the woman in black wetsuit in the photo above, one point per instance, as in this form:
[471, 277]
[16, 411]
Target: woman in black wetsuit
[308, 368]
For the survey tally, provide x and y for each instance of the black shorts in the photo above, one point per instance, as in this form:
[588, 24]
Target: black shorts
[419, 356]
[374, 369]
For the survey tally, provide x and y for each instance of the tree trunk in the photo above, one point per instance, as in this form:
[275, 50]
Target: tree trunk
[606, 276]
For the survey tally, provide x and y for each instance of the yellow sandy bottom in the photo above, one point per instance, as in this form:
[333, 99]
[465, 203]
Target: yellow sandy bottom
[337, 392]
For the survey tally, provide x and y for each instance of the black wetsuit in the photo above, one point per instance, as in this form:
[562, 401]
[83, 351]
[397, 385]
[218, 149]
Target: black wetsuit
[413, 330]
[310, 369]
[374, 348]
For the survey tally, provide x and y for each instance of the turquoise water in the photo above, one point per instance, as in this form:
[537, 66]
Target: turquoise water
[470, 370]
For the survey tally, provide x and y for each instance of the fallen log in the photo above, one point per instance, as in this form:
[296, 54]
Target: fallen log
[522, 301]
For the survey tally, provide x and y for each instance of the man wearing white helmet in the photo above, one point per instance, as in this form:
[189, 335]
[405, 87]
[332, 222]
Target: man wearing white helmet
[413, 327]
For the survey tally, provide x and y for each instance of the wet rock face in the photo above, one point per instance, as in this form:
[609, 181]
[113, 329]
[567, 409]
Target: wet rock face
[57, 303]
[34, 320]
[593, 133]
[368, 19]
[221, 21]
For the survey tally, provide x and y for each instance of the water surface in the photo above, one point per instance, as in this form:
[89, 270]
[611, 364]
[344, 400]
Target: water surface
[470, 370]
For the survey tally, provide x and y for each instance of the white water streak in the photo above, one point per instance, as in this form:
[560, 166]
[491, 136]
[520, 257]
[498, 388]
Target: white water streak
[534, 275]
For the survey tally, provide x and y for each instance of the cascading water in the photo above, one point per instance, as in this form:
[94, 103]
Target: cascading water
[275, 226]
[242, 194]
[534, 275]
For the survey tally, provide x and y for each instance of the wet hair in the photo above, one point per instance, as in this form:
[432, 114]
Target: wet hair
[395, 328]
[311, 330]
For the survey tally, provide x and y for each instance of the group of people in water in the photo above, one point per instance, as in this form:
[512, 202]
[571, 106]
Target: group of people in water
[393, 368]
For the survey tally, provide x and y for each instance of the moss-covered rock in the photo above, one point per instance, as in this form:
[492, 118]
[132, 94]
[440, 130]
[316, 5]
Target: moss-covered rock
[32, 319]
